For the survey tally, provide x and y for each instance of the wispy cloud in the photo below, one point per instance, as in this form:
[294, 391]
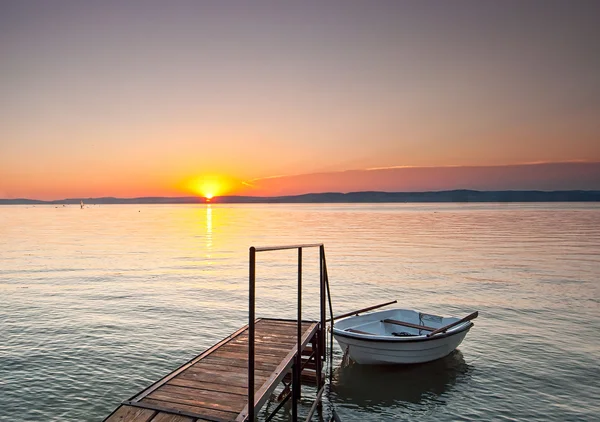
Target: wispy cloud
[528, 163]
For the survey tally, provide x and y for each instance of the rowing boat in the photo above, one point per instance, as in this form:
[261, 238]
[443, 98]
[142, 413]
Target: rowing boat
[400, 336]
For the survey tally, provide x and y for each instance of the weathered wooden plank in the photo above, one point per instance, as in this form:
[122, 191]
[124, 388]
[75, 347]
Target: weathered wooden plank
[214, 368]
[279, 343]
[272, 344]
[266, 349]
[169, 417]
[276, 330]
[273, 327]
[208, 386]
[271, 336]
[274, 333]
[280, 330]
[131, 414]
[171, 397]
[267, 339]
[263, 355]
[240, 362]
[243, 353]
[220, 378]
[277, 346]
[226, 371]
[282, 322]
[199, 410]
[224, 401]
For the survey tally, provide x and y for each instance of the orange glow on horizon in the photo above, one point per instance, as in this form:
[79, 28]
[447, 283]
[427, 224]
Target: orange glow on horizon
[582, 175]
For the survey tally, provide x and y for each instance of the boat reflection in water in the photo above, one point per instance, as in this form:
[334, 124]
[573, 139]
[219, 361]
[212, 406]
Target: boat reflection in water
[373, 386]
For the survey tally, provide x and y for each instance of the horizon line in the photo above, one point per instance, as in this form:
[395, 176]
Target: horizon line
[203, 199]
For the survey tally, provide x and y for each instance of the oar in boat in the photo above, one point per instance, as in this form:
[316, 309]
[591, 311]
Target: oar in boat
[408, 324]
[454, 324]
[360, 311]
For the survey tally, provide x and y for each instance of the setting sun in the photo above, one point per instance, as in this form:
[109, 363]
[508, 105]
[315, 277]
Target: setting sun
[209, 186]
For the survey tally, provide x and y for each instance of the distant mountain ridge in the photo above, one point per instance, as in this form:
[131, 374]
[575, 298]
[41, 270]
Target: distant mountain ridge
[461, 195]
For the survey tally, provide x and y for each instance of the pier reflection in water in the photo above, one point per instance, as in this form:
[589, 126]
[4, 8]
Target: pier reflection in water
[374, 386]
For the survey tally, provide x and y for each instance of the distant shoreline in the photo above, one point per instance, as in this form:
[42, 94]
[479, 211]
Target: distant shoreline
[458, 196]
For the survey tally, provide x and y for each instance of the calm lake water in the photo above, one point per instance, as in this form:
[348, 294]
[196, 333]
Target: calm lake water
[98, 303]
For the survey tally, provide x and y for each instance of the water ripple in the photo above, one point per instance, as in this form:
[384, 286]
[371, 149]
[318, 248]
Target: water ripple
[99, 303]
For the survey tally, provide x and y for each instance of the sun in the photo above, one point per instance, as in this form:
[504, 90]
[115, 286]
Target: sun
[208, 186]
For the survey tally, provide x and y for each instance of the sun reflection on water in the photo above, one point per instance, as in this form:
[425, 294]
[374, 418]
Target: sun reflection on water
[209, 229]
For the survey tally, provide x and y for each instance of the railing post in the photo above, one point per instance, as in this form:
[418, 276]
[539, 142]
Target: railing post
[318, 359]
[251, 322]
[298, 364]
[322, 299]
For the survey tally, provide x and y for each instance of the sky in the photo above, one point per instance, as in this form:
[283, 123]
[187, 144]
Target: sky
[170, 98]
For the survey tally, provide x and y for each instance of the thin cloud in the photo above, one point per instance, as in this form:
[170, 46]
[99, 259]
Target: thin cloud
[529, 163]
[279, 176]
[252, 182]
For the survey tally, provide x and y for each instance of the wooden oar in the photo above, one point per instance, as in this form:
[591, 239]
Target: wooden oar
[409, 324]
[360, 311]
[454, 324]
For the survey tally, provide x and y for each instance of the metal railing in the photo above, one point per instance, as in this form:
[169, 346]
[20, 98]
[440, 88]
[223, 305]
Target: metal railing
[320, 353]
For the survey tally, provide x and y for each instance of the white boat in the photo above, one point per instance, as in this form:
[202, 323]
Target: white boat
[400, 336]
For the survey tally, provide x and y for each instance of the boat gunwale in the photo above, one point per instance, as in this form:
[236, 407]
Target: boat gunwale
[394, 339]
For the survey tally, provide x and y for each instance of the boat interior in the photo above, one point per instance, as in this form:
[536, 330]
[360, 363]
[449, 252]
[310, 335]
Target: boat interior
[396, 322]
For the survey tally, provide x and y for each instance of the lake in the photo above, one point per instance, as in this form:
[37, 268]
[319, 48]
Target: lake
[98, 303]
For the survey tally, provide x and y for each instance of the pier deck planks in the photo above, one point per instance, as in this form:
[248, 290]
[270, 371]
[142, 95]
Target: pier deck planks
[214, 385]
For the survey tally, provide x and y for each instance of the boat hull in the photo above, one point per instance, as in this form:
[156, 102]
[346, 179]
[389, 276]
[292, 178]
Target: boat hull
[384, 352]
[398, 336]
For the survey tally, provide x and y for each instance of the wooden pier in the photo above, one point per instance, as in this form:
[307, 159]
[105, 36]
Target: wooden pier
[246, 367]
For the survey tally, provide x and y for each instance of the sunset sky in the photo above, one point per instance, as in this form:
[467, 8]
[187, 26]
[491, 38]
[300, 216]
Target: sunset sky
[172, 98]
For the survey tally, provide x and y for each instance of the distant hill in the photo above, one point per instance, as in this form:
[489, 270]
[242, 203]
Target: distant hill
[334, 197]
